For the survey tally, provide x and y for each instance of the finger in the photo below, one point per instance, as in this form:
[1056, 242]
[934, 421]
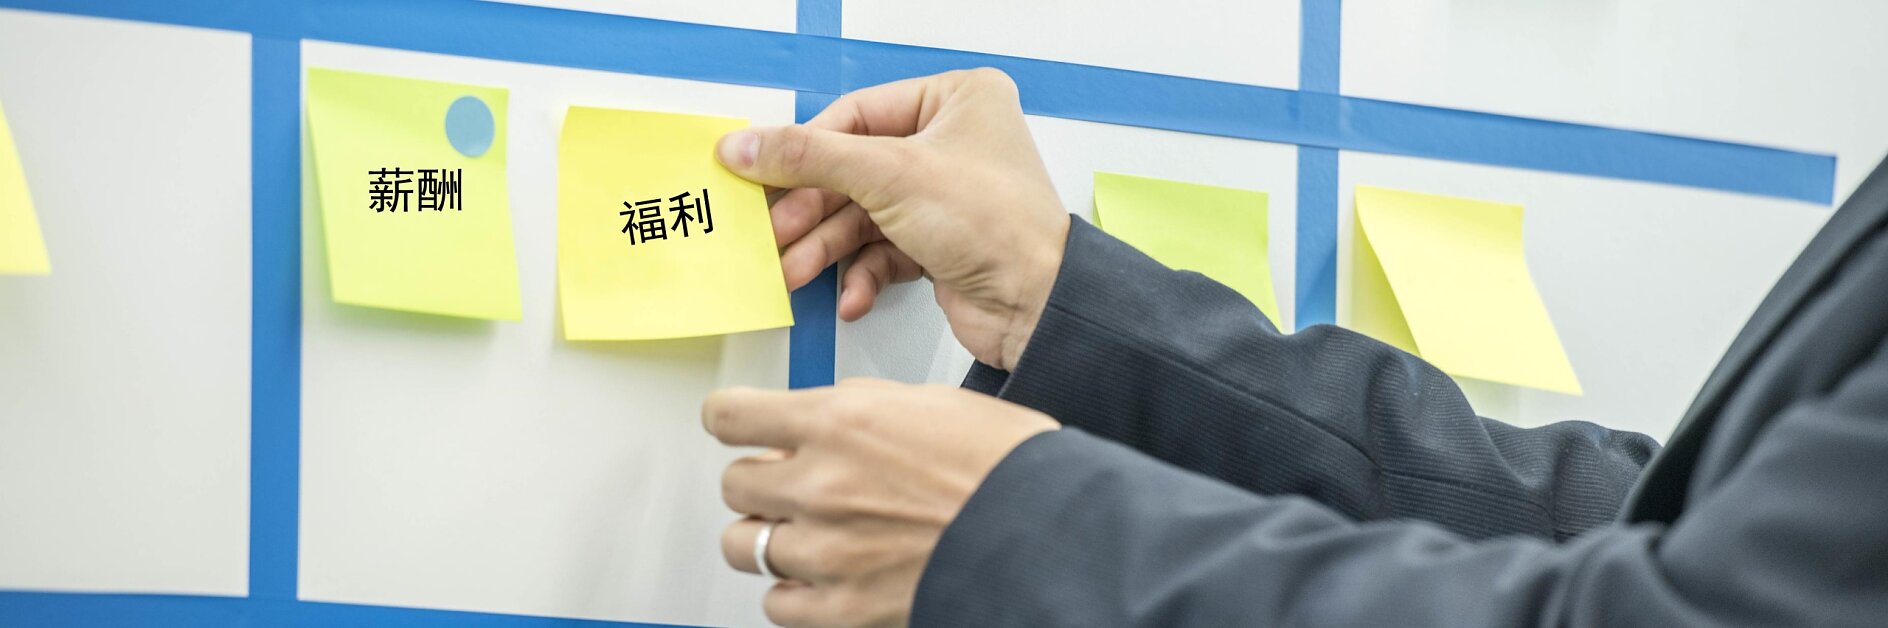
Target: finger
[755, 485]
[896, 109]
[901, 108]
[761, 418]
[797, 211]
[793, 604]
[800, 156]
[837, 236]
[739, 539]
[879, 264]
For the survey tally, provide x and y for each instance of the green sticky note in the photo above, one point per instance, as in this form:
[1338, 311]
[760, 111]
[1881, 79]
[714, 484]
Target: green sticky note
[1446, 278]
[1215, 231]
[22, 251]
[414, 205]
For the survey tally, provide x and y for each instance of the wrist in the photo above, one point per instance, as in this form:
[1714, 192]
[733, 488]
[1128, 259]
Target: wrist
[1032, 295]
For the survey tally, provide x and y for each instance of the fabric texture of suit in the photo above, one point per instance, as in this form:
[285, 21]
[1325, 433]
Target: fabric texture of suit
[1216, 472]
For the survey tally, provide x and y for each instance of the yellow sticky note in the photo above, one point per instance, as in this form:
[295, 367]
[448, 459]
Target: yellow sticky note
[22, 251]
[1445, 278]
[414, 220]
[1215, 231]
[654, 238]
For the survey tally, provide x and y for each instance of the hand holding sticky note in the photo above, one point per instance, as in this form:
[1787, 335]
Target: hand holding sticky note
[22, 251]
[1445, 278]
[414, 206]
[1215, 231]
[655, 238]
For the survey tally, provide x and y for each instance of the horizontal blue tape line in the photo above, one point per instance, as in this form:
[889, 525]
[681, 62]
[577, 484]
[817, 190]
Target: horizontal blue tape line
[39, 609]
[825, 64]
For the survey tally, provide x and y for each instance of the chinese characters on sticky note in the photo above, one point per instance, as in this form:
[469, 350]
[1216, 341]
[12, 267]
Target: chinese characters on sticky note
[1215, 231]
[646, 221]
[414, 205]
[438, 189]
[22, 251]
[1445, 278]
[642, 251]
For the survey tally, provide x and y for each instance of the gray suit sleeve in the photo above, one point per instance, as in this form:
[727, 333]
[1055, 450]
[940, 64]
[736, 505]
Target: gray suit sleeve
[1186, 370]
[1073, 530]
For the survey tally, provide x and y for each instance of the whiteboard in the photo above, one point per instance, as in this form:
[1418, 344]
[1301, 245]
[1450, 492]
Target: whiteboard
[491, 467]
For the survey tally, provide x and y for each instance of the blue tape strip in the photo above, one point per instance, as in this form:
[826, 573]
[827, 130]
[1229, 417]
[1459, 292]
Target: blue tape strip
[33, 608]
[275, 324]
[829, 65]
[820, 17]
[1316, 271]
[815, 305]
[1319, 61]
[814, 62]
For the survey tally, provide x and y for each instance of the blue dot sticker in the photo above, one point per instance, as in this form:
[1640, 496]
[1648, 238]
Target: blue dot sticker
[469, 126]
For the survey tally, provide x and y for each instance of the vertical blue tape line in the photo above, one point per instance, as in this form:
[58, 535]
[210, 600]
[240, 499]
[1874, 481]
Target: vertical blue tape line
[275, 323]
[819, 17]
[1316, 278]
[815, 305]
[1319, 58]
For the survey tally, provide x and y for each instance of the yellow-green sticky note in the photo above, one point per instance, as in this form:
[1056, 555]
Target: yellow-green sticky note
[1445, 278]
[1215, 231]
[22, 251]
[414, 206]
[654, 238]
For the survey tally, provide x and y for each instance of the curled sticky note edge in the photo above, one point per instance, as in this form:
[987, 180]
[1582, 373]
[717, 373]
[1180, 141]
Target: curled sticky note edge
[1216, 231]
[1446, 278]
[22, 247]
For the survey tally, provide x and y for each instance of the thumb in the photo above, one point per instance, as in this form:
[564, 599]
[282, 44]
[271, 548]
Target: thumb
[800, 157]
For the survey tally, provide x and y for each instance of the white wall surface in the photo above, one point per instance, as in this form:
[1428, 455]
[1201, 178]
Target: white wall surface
[124, 376]
[1254, 42]
[1805, 75]
[768, 15]
[492, 466]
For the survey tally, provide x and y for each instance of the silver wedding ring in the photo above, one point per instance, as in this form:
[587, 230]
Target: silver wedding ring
[760, 550]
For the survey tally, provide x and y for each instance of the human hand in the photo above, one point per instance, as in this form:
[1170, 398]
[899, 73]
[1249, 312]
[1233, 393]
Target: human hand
[863, 480]
[929, 176]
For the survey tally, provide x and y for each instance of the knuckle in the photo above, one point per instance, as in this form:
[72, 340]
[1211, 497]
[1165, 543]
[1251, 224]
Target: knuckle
[825, 558]
[796, 148]
[717, 409]
[992, 79]
[824, 492]
[731, 542]
[732, 494]
[778, 604]
[850, 605]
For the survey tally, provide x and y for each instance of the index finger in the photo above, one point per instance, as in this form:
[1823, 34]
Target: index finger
[897, 109]
[760, 418]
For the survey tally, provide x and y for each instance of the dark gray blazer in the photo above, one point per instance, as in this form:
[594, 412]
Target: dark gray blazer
[1216, 472]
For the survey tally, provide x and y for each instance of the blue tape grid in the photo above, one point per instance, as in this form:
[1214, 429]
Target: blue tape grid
[1320, 47]
[819, 64]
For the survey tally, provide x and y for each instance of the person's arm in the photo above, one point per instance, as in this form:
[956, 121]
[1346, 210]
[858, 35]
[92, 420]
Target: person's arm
[1187, 370]
[938, 176]
[1073, 530]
